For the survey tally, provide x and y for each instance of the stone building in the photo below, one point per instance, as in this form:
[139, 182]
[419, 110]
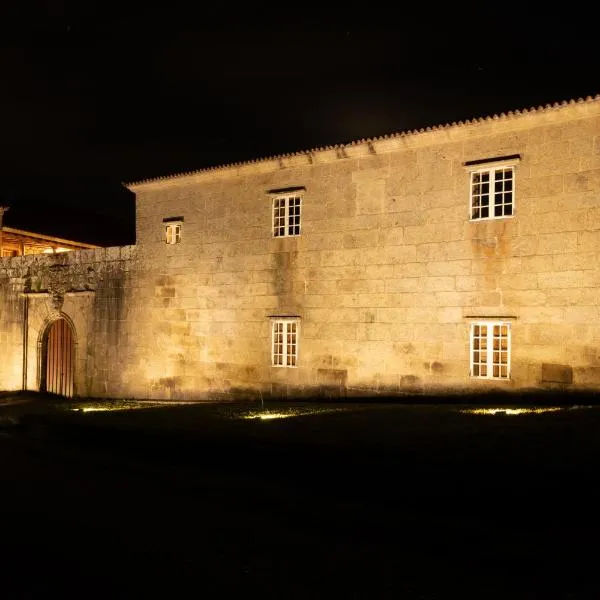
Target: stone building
[456, 257]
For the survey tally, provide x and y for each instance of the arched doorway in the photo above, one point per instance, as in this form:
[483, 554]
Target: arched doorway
[58, 359]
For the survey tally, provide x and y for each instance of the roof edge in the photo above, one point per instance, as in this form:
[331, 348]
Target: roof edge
[49, 238]
[410, 132]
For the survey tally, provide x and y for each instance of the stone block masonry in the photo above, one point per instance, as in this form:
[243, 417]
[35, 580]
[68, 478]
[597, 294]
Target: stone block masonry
[398, 280]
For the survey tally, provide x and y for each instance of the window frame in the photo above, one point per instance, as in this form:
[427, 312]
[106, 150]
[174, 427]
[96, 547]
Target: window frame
[490, 349]
[492, 166]
[175, 228]
[281, 359]
[288, 223]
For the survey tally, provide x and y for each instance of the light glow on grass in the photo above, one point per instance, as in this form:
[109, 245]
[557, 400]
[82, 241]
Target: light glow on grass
[121, 407]
[86, 409]
[267, 416]
[509, 411]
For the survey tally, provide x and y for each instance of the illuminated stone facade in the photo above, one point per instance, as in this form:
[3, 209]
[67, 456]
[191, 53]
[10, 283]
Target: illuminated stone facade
[408, 272]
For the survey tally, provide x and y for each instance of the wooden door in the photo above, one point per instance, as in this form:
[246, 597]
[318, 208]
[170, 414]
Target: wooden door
[60, 358]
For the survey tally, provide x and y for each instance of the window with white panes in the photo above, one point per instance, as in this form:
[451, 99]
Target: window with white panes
[490, 350]
[173, 233]
[284, 342]
[286, 215]
[492, 193]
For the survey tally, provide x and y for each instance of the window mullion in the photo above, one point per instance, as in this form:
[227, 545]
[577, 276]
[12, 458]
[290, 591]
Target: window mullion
[493, 192]
[508, 351]
[284, 341]
[490, 351]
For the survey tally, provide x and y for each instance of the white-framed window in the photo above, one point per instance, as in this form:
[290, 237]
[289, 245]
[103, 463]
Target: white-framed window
[173, 233]
[492, 187]
[492, 193]
[284, 342]
[490, 349]
[286, 215]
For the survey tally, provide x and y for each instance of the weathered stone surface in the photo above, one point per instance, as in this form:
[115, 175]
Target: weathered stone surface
[557, 373]
[385, 278]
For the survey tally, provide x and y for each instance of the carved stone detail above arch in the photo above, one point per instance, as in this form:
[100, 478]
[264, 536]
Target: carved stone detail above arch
[60, 279]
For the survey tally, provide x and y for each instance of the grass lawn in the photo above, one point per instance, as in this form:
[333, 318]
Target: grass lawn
[328, 500]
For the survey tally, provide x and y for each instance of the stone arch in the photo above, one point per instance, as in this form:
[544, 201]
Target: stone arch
[57, 354]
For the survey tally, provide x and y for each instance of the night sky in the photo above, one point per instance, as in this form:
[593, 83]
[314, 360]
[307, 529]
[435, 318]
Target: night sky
[96, 93]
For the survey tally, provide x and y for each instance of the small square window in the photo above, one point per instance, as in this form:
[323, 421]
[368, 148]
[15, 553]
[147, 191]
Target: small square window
[492, 193]
[284, 342]
[286, 215]
[490, 350]
[173, 233]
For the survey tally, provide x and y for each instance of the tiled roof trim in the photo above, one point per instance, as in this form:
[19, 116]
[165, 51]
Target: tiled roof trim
[495, 117]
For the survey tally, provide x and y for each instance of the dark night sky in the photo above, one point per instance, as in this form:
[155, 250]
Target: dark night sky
[96, 93]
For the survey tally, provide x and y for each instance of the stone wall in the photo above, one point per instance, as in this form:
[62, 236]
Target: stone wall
[91, 289]
[389, 269]
[386, 278]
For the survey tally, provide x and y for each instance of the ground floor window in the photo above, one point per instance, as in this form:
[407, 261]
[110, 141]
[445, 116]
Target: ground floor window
[490, 350]
[285, 342]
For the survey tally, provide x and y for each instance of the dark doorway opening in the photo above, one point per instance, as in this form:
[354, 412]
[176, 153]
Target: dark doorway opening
[58, 360]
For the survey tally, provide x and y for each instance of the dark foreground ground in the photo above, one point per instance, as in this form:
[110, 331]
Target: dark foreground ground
[359, 500]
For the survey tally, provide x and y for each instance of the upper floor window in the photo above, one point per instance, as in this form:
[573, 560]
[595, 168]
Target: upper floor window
[284, 342]
[492, 187]
[490, 350]
[286, 215]
[173, 226]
